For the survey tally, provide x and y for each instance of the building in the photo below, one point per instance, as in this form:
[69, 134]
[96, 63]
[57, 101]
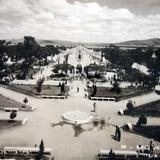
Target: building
[79, 57]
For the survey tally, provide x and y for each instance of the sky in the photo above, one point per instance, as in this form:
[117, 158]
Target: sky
[103, 21]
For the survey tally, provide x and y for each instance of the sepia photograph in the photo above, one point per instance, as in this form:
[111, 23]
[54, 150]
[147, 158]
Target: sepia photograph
[79, 79]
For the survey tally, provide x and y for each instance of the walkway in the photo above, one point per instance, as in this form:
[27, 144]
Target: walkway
[61, 139]
[77, 88]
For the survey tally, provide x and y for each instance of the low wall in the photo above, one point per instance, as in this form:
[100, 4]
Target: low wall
[12, 87]
[102, 99]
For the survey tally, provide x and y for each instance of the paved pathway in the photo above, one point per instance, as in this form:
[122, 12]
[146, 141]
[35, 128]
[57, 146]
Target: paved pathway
[77, 88]
[61, 139]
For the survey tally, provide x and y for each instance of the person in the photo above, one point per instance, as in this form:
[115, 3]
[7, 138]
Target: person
[134, 102]
[108, 121]
[151, 146]
[111, 155]
[59, 84]
[94, 107]
[118, 133]
[78, 88]
[75, 124]
[86, 94]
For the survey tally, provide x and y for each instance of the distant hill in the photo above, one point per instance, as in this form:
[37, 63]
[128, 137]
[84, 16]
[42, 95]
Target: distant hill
[147, 42]
[56, 42]
[68, 43]
[15, 41]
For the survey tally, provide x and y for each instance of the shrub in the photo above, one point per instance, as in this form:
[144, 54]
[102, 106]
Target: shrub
[39, 84]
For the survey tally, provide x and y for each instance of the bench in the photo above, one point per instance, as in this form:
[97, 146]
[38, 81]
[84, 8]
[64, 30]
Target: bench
[102, 99]
[52, 97]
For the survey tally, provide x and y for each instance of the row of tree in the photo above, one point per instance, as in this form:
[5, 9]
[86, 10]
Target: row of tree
[124, 59]
[27, 53]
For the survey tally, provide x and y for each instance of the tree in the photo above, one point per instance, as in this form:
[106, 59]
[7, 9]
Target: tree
[13, 115]
[141, 121]
[112, 54]
[130, 106]
[94, 90]
[154, 66]
[30, 46]
[39, 84]
[62, 88]
[2, 51]
[137, 55]
[116, 87]
[25, 100]
[64, 68]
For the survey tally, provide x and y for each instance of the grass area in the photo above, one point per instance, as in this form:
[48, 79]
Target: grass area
[9, 103]
[148, 109]
[125, 92]
[5, 124]
[23, 156]
[46, 89]
[149, 131]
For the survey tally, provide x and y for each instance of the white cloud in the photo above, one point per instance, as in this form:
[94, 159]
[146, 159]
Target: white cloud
[58, 19]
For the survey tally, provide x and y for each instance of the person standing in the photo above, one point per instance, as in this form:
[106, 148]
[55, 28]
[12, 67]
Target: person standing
[111, 155]
[108, 121]
[151, 146]
[94, 107]
[118, 133]
[78, 88]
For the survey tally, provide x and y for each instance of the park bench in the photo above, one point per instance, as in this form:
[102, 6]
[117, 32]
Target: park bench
[102, 99]
[52, 97]
[7, 109]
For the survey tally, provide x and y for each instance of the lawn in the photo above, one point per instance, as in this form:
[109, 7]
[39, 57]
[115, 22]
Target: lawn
[50, 90]
[148, 109]
[5, 124]
[9, 103]
[149, 131]
[125, 92]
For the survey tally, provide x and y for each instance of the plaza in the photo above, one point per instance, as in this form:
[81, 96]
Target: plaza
[56, 120]
[61, 138]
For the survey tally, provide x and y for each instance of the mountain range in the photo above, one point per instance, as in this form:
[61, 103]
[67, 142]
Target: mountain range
[146, 42]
